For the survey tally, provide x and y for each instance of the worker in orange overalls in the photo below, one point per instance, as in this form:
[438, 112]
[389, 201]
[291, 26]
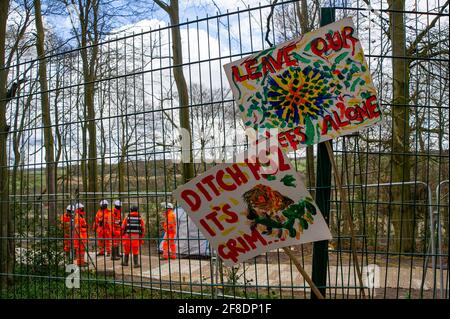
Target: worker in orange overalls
[169, 225]
[102, 226]
[66, 224]
[133, 230]
[116, 222]
[79, 234]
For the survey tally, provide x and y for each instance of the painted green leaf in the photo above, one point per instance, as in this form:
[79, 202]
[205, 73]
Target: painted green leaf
[340, 57]
[355, 83]
[289, 180]
[301, 58]
[308, 47]
[310, 132]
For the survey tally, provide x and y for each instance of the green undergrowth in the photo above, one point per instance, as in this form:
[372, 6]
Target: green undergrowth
[53, 286]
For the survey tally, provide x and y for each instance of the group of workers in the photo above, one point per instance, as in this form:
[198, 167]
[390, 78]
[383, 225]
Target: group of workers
[112, 231]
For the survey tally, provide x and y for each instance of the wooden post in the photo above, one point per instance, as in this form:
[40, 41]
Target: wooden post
[304, 274]
[347, 215]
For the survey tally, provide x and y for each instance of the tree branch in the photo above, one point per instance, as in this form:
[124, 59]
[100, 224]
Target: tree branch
[170, 119]
[163, 6]
[424, 32]
[268, 21]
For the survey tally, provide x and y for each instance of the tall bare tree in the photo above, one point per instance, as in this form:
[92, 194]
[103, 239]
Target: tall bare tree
[88, 18]
[49, 143]
[4, 128]
[86, 26]
[401, 163]
[172, 10]
[403, 217]
[91, 21]
[10, 44]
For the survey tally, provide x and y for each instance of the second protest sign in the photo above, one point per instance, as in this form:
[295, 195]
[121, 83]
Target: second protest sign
[248, 208]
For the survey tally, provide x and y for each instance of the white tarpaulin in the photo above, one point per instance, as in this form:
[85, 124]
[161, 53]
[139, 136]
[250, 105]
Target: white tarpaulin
[247, 208]
[189, 240]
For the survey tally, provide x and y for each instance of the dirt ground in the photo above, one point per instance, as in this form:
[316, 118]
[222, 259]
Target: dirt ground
[336, 257]
[271, 274]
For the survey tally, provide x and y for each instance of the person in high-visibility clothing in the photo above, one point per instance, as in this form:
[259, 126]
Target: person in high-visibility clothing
[133, 230]
[169, 224]
[80, 235]
[67, 224]
[102, 226]
[116, 221]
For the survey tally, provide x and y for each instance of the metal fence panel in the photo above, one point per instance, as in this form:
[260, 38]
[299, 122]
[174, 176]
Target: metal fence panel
[136, 121]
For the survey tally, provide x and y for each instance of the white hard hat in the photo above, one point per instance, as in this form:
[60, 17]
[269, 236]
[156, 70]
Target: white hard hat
[79, 205]
[117, 203]
[70, 208]
[166, 205]
[103, 202]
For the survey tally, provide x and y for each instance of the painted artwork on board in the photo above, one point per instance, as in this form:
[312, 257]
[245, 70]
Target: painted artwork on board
[253, 206]
[275, 214]
[313, 88]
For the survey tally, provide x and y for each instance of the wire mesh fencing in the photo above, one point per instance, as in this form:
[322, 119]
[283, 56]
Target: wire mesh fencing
[115, 137]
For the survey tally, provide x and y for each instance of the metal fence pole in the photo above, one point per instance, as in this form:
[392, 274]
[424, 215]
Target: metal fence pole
[432, 250]
[439, 234]
[323, 193]
[136, 112]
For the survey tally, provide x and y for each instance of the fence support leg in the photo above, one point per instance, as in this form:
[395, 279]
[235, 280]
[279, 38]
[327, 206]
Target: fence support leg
[323, 194]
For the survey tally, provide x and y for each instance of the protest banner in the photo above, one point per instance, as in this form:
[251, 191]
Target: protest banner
[313, 88]
[252, 206]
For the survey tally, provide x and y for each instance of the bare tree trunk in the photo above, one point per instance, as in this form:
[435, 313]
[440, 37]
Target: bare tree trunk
[49, 143]
[103, 181]
[403, 215]
[83, 165]
[92, 147]
[121, 164]
[180, 81]
[67, 184]
[16, 146]
[121, 172]
[310, 174]
[7, 230]
[303, 17]
[18, 131]
[86, 13]
[58, 129]
[4, 173]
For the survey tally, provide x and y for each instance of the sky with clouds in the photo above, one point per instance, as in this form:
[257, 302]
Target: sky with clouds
[208, 44]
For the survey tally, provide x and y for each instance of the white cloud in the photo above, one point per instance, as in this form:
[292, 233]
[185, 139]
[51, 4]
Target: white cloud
[201, 50]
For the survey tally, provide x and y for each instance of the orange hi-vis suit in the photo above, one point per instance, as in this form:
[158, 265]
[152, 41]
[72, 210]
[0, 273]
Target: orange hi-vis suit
[103, 227]
[133, 229]
[170, 230]
[116, 219]
[80, 235]
[66, 227]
